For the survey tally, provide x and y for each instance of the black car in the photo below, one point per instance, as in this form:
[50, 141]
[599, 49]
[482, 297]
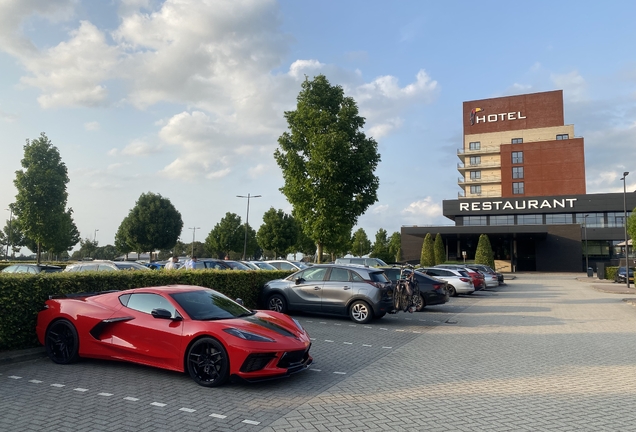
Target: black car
[32, 268]
[363, 293]
[620, 275]
[432, 291]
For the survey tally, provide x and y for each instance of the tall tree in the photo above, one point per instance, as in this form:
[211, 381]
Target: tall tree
[227, 236]
[278, 233]
[484, 253]
[395, 247]
[631, 229]
[440, 251]
[360, 243]
[41, 200]
[381, 246]
[11, 237]
[154, 223]
[427, 259]
[121, 240]
[327, 162]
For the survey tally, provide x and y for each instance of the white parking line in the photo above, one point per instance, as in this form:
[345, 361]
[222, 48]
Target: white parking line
[58, 385]
[158, 404]
[35, 381]
[252, 422]
[348, 343]
[368, 327]
[79, 389]
[322, 322]
[337, 324]
[316, 370]
[399, 330]
[130, 398]
[382, 328]
[188, 410]
[387, 347]
[219, 416]
[340, 373]
[14, 377]
[327, 340]
[104, 394]
[366, 345]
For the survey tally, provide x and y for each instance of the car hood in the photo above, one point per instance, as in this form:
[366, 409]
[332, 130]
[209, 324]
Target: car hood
[267, 323]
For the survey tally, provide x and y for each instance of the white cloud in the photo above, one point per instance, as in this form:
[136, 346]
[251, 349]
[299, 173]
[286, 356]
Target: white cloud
[258, 171]
[91, 126]
[138, 148]
[380, 208]
[423, 209]
[573, 85]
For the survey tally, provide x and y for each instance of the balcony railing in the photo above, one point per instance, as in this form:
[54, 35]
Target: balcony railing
[464, 166]
[464, 194]
[482, 150]
[482, 180]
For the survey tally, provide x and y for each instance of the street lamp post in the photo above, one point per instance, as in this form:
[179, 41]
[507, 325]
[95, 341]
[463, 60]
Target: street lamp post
[625, 224]
[587, 263]
[247, 217]
[95, 235]
[194, 229]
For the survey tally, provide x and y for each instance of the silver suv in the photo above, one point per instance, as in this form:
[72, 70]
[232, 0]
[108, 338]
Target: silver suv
[360, 292]
[104, 266]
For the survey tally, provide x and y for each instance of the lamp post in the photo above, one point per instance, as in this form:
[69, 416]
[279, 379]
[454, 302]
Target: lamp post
[587, 264]
[194, 229]
[95, 235]
[10, 210]
[625, 224]
[247, 217]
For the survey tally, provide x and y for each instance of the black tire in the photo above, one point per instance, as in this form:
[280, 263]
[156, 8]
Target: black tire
[405, 301]
[360, 312]
[420, 303]
[396, 298]
[61, 342]
[207, 362]
[277, 303]
[452, 291]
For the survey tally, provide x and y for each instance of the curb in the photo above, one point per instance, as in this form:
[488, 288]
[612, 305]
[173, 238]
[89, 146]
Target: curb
[9, 357]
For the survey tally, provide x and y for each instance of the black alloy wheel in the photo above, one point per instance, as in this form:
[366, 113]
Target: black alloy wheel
[61, 342]
[208, 363]
[420, 303]
[452, 291]
[277, 303]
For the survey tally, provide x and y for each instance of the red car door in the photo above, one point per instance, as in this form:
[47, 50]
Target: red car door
[146, 339]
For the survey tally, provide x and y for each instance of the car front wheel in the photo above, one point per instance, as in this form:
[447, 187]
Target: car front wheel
[61, 342]
[208, 363]
[360, 312]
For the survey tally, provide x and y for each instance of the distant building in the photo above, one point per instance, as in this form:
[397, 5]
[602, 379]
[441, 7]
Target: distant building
[523, 183]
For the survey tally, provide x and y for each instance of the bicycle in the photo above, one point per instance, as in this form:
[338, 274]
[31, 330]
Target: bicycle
[406, 290]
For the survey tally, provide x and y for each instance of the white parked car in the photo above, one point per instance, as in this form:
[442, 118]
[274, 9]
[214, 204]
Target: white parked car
[457, 282]
[287, 265]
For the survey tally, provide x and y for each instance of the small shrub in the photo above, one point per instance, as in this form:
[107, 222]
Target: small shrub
[610, 273]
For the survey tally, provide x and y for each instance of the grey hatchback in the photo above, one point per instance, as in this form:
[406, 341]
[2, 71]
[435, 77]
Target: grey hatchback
[363, 293]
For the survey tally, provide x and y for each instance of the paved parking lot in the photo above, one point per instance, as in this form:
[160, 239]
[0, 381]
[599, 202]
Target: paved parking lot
[544, 352]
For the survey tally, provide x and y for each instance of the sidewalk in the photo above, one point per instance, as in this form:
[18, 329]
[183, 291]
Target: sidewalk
[611, 287]
[14, 356]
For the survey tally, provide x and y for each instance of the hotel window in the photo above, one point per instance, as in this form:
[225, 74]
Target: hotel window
[474, 145]
[517, 172]
[517, 188]
[475, 220]
[517, 141]
[530, 219]
[517, 157]
[593, 220]
[475, 190]
[475, 160]
[502, 220]
[563, 137]
[616, 219]
[475, 175]
[552, 219]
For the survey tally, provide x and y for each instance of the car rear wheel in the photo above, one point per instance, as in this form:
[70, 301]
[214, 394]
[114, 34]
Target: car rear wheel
[360, 312]
[61, 342]
[420, 303]
[452, 291]
[208, 363]
[277, 303]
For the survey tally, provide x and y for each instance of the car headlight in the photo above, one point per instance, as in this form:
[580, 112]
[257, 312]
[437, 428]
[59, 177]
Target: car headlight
[247, 335]
[300, 327]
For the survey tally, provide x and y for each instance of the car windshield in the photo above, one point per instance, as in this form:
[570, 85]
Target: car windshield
[130, 266]
[209, 305]
[264, 266]
[380, 262]
[237, 265]
[300, 265]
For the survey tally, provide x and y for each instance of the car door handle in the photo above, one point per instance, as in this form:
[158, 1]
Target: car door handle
[317, 288]
[346, 287]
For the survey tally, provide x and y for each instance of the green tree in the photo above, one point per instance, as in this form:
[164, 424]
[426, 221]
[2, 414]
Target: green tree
[11, 236]
[360, 243]
[278, 233]
[88, 248]
[440, 250]
[108, 252]
[65, 236]
[304, 244]
[41, 200]
[341, 245]
[154, 223]
[427, 258]
[252, 245]
[395, 247]
[380, 248]
[484, 253]
[227, 236]
[327, 162]
[121, 241]
[631, 228]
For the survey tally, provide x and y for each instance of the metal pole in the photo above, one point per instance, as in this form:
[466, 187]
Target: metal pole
[194, 229]
[247, 217]
[625, 226]
[587, 264]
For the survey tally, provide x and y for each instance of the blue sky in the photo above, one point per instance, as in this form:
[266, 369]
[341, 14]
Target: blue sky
[185, 98]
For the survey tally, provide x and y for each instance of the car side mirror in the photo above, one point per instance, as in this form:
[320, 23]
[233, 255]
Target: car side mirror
[299, 280]
[161, 313]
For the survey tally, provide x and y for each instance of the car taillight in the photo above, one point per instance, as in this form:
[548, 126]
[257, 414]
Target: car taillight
[464, 279]
[437, 287]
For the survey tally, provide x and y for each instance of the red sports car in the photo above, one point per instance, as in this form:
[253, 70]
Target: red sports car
[179, 327]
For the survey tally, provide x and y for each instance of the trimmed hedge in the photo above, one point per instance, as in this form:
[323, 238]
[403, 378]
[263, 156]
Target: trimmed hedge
[610, 273]
[23, 295]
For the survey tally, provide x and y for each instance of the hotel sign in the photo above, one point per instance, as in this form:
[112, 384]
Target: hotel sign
[524, 204]
[475, 118]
